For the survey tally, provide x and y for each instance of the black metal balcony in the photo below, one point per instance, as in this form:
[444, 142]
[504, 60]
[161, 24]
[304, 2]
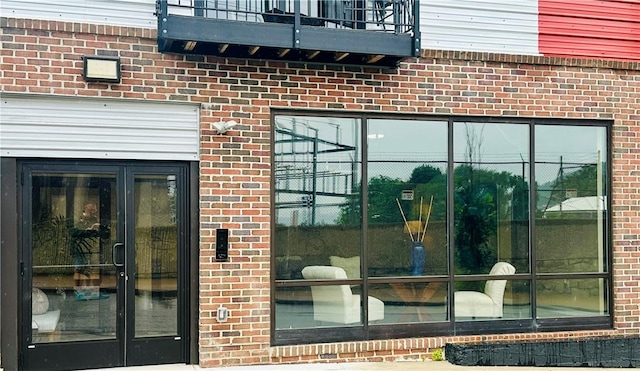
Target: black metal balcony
[346, 32]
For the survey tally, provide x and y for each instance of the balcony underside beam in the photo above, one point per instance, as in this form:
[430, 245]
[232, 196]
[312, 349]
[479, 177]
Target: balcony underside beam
[264, 40]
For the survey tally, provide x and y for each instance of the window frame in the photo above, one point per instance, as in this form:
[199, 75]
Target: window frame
[451, 327]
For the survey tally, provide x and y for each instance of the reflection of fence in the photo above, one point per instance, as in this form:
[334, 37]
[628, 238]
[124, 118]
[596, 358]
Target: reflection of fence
[300, 181]
[156, 253]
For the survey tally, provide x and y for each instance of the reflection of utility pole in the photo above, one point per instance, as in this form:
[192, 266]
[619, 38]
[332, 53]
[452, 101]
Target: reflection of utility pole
[523, 167]
[559, 182]
[498, 221]
[561, 176]
[314, 181]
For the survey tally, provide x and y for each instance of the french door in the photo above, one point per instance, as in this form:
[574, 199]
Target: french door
[104, 259]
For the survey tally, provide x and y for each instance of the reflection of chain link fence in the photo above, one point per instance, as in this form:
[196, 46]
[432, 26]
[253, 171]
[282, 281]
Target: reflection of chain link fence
[308, 197]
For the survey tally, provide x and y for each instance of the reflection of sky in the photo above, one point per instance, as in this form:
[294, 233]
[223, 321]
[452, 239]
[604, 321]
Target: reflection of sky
[497, 147]
[500, 147]
[396, 147]
[402, 140]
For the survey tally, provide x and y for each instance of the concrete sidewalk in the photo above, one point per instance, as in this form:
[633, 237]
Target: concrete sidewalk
[372, 366]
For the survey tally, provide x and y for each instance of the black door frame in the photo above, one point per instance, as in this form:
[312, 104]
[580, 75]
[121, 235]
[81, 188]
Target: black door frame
[12, 337]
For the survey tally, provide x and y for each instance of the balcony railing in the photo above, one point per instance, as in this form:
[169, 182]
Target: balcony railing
[350, 32]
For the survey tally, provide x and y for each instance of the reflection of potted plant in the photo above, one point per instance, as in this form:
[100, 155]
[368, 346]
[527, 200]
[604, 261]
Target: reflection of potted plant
[56, 241]
[51, 241]
[81, 243]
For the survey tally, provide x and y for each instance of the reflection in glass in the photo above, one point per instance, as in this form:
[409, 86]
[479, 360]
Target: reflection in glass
[317, 194]
[412, 302]
[156, 280]
[571, 298]
[571, 199]
[407, 193]
[294, 308]
[73, 278]
[410, 236]
[323, 306]
[511, 301]
[491, 195]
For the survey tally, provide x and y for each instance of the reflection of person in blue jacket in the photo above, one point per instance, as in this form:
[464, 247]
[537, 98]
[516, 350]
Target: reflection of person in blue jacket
[84, 236]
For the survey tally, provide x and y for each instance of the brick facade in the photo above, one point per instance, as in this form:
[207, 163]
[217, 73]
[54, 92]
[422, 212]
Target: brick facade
[43, 57]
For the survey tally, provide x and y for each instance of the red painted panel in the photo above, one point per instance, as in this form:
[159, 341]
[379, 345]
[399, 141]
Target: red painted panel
[590, 28]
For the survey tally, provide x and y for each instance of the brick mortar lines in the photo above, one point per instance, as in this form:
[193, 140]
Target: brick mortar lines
[150, 33]
[425, 344]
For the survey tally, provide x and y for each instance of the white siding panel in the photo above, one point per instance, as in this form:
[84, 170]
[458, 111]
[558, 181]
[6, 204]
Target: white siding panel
[498, 26]
[128, 13]
[55, 127]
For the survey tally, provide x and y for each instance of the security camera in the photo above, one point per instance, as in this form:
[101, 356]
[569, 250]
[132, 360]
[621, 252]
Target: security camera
[223, 126]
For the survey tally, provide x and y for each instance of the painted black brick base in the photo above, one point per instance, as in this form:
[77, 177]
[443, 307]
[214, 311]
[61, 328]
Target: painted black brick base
[622, 353]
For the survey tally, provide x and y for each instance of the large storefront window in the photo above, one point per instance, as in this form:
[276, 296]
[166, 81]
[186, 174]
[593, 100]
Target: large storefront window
[437, 225]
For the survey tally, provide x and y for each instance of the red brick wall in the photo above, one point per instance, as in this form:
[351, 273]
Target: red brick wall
[41, 57]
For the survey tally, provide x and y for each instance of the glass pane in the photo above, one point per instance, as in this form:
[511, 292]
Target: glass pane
[317, 195]
[156, 257]
[491, 195]
[73, 282]
[498, 299]
[410, 302]
[294, 308]
[571, 199]
[572, 297]
[407, 180]
[323, 306]
[517, 300]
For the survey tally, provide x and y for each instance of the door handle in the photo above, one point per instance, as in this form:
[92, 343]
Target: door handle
[113, 254]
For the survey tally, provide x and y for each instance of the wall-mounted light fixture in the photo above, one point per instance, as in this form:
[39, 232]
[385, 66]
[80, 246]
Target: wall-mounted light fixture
[98, 68]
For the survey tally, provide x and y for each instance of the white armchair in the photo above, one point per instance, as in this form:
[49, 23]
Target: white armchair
[488, 303]
[43, 320]
[336, 303]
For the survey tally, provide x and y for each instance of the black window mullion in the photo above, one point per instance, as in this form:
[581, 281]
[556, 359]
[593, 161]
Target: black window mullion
[532, 222]
[364, 251]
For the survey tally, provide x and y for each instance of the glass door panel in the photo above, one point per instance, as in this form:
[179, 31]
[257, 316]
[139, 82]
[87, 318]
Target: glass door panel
[73, 276]
[156, 256]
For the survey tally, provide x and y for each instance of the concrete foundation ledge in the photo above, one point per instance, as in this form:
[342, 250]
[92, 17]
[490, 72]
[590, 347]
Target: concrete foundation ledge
[609, 352]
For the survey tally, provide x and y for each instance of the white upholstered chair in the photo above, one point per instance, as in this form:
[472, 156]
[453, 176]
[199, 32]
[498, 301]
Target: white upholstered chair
[336, 303]
[488, 303]
[43, 320]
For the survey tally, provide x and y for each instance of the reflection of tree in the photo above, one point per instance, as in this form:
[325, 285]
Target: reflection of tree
[475, 219]
[425, 181]
[482, 198]
[429, 181]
